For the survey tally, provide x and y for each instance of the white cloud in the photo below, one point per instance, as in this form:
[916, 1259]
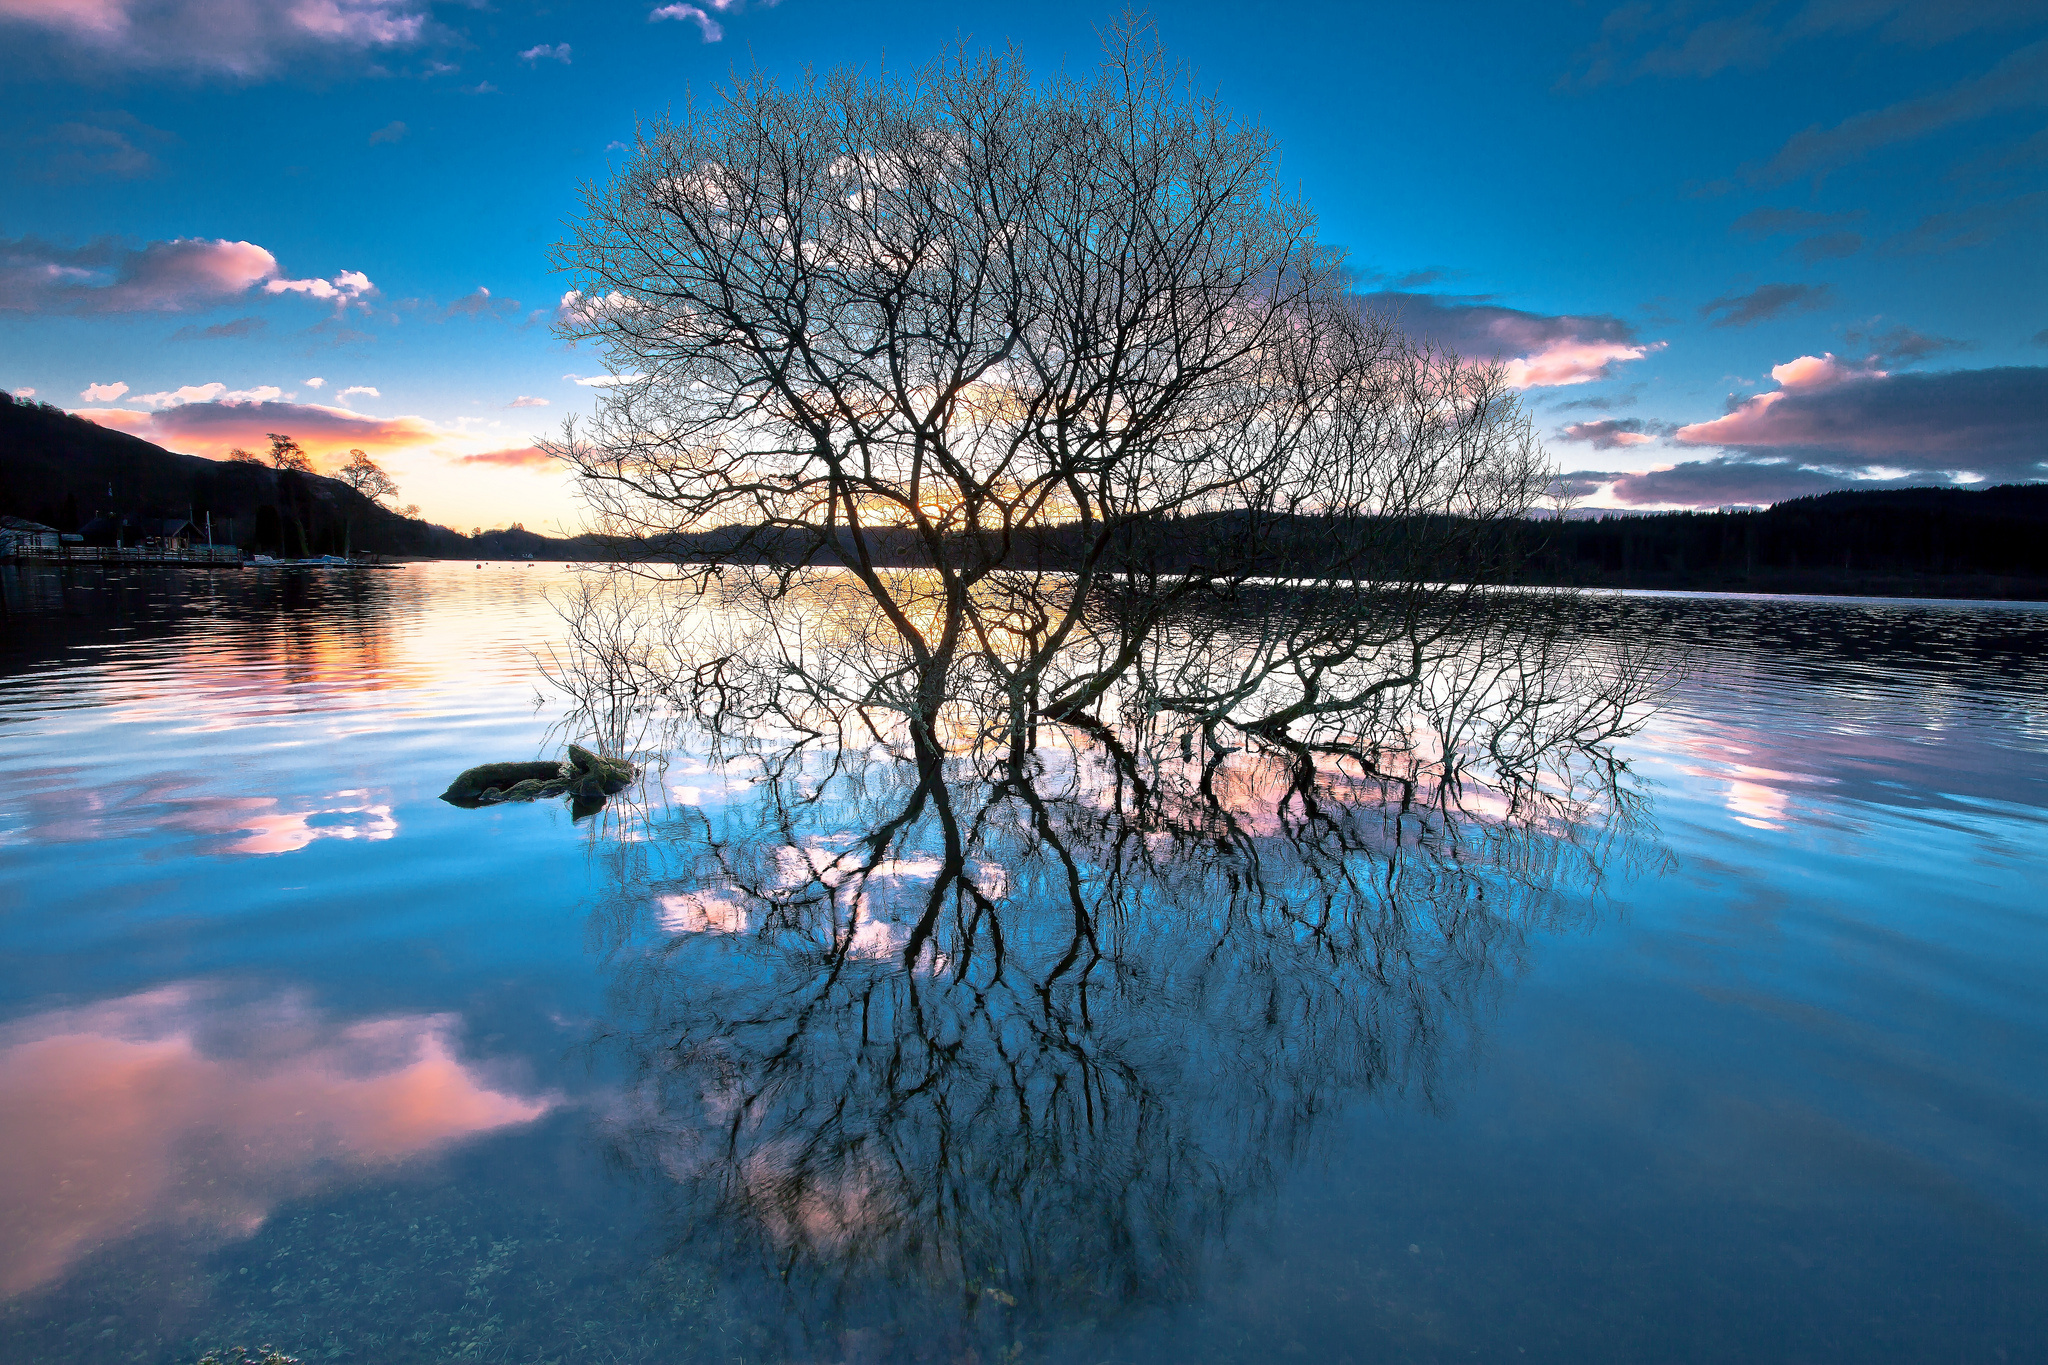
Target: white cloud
[344, 289]
[526, 401]
[24, 393]
[101, 393]
[706, 25]
[343, 396]
[559, 52]
[603, 381]
[315, 383]
[207, 393]
[189, 393]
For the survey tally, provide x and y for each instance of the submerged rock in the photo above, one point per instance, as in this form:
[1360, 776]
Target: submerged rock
[586, 778]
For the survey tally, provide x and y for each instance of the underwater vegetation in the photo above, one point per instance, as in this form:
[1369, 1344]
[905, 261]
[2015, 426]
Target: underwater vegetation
[395, 1274]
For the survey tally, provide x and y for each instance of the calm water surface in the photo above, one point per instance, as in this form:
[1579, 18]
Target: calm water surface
[292, 1052]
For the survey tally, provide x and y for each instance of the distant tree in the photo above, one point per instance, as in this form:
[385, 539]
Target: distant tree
[285, 453]
[411, 511]
[241, 456]
[362, 474]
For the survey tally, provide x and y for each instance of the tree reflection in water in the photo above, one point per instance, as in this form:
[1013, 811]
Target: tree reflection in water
[963, 1045]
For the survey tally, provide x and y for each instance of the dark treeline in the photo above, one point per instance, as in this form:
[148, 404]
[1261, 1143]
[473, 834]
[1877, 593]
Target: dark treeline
[69, 473]
[1907, 541]
[1897, 542]
[64, 471]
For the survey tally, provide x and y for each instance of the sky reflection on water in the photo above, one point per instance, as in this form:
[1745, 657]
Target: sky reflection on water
[328, 1062]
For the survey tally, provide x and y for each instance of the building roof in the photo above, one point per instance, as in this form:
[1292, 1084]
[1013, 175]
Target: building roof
[22, 524]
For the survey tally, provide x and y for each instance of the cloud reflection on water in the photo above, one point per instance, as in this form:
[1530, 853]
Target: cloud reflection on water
[172, 1107]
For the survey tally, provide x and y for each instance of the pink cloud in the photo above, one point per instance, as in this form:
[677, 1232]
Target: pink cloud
[183, 274]
[213, 426]
[239, 37]
[1751, 424]
[1854, 420]
[1571, 361]
[103, 393]
[523, 457]
[135, 1111]
[358, 23]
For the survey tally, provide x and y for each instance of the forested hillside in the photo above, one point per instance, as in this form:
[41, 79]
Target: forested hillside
[65, 471]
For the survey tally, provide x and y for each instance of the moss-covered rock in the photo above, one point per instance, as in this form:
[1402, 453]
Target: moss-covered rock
[608, 774]
[586, 778]
[468, 788]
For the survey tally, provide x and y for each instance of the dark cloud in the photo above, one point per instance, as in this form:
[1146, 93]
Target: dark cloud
[478, 303]
[1730, 479]
[1968, 227]
[1580, 483]
[1597, 403]
[1541, 348]
[1758, 224]
[1765, 302]
[1829, 246]
[106, 146]
[2040, 338]
[2020, 80]
[1475, 327]
[1992, 422]
[1609, 433]
[239, 327]
[1682, 38]
[1900, 345]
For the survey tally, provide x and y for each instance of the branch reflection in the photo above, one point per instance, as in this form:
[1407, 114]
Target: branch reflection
[1012, 1031]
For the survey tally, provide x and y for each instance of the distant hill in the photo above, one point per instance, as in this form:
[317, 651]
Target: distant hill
[64, 471]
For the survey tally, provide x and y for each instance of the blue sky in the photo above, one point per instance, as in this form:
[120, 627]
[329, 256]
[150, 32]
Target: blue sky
[1734, 252]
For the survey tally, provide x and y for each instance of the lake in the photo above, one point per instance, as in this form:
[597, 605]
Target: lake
[292, 1052]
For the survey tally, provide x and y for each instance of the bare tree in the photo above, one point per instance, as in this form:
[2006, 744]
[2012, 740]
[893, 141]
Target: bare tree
[285, 453]
[363, 474]
[238, 455]
[1035, 368]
